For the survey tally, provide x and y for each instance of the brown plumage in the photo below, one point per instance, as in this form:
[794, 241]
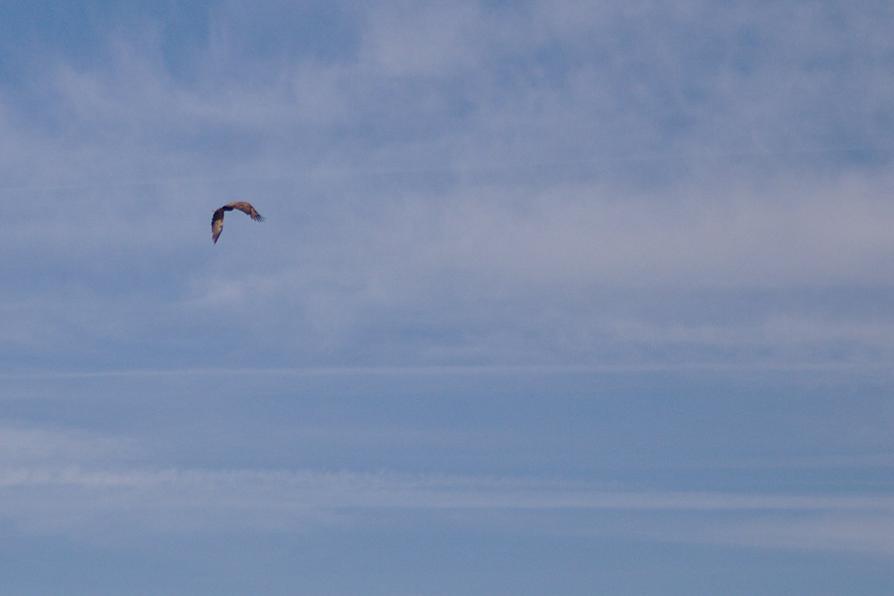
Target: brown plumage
[218, 217]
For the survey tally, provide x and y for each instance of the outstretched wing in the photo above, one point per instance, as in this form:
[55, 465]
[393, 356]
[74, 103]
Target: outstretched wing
[246, 208]
[217, 224]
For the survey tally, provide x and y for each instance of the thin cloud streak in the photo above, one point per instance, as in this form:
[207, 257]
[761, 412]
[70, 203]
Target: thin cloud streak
[259, 501]
[459, 370]
[581, 166]
[372, 490]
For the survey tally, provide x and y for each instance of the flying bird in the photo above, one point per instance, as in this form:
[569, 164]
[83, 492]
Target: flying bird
[218, 217]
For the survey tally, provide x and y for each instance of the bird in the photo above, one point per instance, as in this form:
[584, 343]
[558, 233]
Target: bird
[218, 217]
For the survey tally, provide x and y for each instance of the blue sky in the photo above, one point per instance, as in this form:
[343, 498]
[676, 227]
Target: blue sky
[552, 297]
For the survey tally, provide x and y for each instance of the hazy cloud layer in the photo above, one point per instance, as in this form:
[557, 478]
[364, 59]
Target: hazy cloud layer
[546, 183]
[108, 505]
[541, 284]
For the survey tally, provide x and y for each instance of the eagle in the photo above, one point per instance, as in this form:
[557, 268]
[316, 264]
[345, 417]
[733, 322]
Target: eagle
[218, 217]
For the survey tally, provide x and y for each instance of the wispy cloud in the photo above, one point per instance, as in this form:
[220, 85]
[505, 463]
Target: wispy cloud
[615, 270]
[79, 501]
[860, 532]
[25, 445]
[551, 184]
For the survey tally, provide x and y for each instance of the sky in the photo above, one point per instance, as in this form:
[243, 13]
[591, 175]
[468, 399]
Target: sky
[551, 297]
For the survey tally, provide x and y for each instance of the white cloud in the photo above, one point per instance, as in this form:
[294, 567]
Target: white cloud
[866, 533]
[406, 39]
[23, 445]
[462, 185]
[86, 503]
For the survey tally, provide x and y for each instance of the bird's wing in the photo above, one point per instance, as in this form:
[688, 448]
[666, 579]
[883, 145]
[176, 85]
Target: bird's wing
[247, 208]
[217, 224]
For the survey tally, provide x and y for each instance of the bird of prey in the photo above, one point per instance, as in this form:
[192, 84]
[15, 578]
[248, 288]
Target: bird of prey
[218, 217]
